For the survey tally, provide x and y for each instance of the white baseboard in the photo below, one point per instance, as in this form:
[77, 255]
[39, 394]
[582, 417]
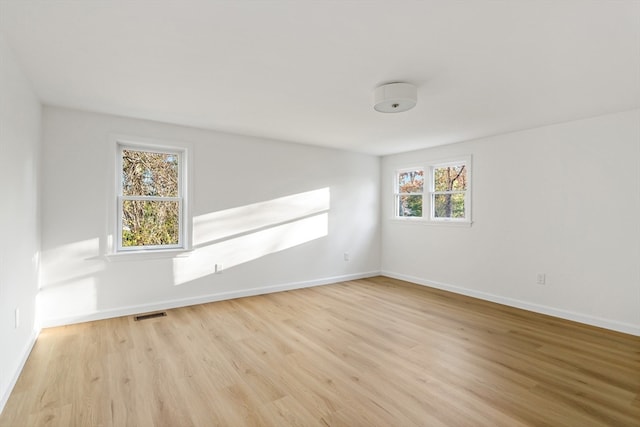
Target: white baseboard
[14, 379]
[203, 299]
[613, 325]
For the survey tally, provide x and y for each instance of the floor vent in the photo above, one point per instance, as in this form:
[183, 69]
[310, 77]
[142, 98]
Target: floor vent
[150, 316]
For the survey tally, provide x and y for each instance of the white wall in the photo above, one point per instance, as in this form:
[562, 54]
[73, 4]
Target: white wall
[561, 199]
[19, 227]
[567, 207]
[235, 177]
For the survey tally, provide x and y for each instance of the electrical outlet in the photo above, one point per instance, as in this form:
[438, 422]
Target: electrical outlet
[346, 256]
[219, 268]
[17, 318]
[541, 278]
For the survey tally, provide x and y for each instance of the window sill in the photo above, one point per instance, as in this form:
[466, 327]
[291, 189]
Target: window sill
[420, 221]
[148, 254]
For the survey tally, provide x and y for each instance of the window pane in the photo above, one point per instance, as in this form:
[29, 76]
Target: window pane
[409, 206]
[149, 174]
[450, 178]
[410, 181]
[448, 205]
[148, 223]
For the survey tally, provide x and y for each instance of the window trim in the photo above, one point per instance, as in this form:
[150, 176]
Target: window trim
[397, 194]
[184, 153]
[429, 193]
[433, 192]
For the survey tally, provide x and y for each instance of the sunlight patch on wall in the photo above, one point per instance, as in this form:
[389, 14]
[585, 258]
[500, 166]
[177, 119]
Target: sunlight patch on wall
[66, 262]
[231, 222]
[239, 235]
[249, 247]
[74, 298]
[67, 279]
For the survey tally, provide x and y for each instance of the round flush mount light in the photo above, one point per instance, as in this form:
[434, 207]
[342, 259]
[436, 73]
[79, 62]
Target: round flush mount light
[395, 97]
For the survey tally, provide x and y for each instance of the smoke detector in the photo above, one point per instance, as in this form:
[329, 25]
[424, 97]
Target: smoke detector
[395, 97]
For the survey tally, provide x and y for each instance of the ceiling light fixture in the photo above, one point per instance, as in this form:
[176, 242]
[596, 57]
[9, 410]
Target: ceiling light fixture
[395, 97]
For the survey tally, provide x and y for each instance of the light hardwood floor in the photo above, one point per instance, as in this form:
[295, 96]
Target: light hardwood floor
[374, 352]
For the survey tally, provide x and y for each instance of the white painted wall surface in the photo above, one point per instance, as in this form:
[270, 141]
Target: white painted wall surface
[20, 116]
[249, 208]
[561, 199]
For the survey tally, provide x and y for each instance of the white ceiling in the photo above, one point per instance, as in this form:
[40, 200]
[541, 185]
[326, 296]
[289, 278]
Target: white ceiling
[305, 71]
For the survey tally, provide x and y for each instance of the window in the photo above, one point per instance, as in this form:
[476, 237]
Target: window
[444, 196]
[151, 205]
[449, 191]
[409, 193]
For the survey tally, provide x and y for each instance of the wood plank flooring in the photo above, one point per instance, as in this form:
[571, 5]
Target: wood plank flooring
[373, 352]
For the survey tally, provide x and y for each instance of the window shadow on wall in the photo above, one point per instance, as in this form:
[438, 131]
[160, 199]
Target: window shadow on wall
[228, 238]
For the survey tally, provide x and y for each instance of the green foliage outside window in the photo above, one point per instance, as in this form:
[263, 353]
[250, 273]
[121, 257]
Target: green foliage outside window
[450, 183]
[148, 180]
[410, 205]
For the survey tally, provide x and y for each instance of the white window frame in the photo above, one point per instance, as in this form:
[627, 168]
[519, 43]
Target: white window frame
[433, 192]
[397, 194]
[429, 193]
[184, 153]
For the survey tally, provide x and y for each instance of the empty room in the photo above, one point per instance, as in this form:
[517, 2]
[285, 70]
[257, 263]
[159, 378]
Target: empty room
[319, 213]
